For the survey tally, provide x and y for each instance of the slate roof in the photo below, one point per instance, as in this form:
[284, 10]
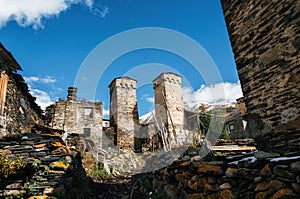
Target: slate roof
[7, 59]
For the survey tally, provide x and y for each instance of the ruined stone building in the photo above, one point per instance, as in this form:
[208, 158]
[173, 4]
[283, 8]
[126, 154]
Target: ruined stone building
[265, 38]
[73, 116]
[18, 109]
[124, 111]
[85, 118]
[235, 122]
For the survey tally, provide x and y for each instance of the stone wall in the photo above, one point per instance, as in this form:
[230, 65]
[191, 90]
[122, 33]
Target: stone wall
[265, 40]
[80, 117]
[21, 110]
[123, 111]
[238, 176]
[45, 165]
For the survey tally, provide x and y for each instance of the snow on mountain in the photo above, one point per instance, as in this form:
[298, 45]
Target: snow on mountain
[147, 118]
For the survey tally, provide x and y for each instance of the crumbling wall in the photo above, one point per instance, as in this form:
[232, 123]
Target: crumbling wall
[80, 117]
[265, 40]
[123, 111]
[55, 114]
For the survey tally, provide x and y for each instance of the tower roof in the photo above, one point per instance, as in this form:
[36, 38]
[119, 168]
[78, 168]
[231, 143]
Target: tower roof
[167, 77]
[165, 74]
[125, 77]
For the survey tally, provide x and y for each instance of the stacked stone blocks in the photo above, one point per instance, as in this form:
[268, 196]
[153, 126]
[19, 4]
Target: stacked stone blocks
[169, 105]
[123, 111]
[265, 40]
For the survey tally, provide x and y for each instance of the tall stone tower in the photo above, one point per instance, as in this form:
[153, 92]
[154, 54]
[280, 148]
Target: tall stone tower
[123, 111]
[169, 110]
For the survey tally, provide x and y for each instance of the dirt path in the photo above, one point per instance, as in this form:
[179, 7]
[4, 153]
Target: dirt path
[121, 187]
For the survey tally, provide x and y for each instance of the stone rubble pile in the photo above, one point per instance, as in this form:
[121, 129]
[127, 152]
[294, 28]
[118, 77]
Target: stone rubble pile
[48, 164]
[127, 161]
[121, 160]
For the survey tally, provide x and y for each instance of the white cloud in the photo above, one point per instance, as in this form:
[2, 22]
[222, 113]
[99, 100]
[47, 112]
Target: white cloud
[144, 96]
[103, 11]
[89, 3]
[31, 79]
[150, 99]
[43, 80]
[105, 112]
[42, 98]
[33, 12]
[147, 98]
[221, 93]
[48, 79]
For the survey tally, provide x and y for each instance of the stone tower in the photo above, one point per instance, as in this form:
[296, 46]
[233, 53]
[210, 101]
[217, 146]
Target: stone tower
[123, 111]
[72, 94]
[169, 105]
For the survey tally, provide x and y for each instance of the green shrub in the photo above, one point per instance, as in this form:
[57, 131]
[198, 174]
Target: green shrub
[10, 165]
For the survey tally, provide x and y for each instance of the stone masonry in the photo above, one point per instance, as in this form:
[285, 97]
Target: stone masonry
[169, 110]
[48, 168]
[265, 38]
[227, 178]
[80, 117]
[18, 109]
[123, 111]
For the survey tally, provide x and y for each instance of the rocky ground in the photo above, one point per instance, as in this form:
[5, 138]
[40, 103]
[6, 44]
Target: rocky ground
[124, 186]
[45, 166]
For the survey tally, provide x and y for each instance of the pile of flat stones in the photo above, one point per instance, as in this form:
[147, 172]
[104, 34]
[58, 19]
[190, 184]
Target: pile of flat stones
[250, 175]
[46, 158]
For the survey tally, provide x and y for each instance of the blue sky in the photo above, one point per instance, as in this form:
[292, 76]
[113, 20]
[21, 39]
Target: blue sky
[51, 40]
